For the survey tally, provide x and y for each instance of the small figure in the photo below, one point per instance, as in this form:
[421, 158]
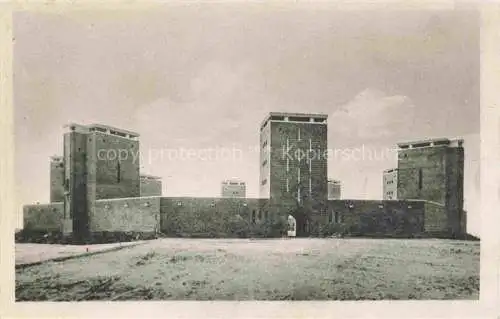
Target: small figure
[292, 226]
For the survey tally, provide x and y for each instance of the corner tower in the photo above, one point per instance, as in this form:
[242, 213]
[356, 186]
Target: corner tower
[100, 162]
[433, 170]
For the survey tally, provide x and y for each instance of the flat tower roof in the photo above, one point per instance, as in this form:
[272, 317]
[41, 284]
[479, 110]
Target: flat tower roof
[111, 128]
[318, 115]
[288, 115]
[74, 127]
[107, 129]
[233, 180]
[456, 142]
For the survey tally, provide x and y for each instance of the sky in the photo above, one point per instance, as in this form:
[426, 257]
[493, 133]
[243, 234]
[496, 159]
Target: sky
[200, 77]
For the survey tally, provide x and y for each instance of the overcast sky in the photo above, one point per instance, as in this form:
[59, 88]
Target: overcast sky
[199, 77]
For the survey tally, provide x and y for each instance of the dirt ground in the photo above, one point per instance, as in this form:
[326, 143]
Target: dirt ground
[278, 269]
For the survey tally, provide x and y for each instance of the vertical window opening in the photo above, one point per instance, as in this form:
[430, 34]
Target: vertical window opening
[118, 172]
[420, 179]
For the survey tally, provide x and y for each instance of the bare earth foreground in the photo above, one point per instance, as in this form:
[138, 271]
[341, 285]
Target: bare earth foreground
[278, 269]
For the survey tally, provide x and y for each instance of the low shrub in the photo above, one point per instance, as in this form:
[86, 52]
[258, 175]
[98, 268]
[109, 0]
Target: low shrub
[270, 228]
[333, 229]
[278, 227]
[232, 227]
[239, 228]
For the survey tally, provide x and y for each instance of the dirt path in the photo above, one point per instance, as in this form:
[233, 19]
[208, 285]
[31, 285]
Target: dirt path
[27, 254]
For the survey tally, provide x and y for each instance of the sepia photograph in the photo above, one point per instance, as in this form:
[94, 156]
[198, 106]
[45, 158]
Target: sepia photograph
[247, 152]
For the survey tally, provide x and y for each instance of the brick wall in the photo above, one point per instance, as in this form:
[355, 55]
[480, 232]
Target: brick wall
[463, 220]
[374, 217]
[97, 166]
[56, 180]
[265, 145]
[435, 174]
[150, 187]
[116, 177]
[141, 214]
[422, 174]
[334, 190]
[436, 220]
[201, 216]
[76, 174]
[454, 191]
[298, 147]
[212, 216]
[45, 217]
[293, 175]
[390, 184]
[229, 190]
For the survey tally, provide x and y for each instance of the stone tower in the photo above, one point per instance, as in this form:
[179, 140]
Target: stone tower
[390, 184]
[293, 167]
[56, 179]
[233, 188]
[100, 162]
[433, 170]
[334, 189]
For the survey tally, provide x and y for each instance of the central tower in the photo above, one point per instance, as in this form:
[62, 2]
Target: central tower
[293, 166]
